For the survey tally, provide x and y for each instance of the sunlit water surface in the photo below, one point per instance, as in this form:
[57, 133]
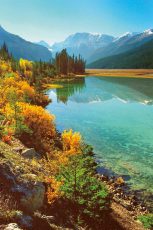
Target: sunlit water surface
[115, 116]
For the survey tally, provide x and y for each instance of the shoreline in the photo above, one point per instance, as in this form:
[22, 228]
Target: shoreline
[123, 73]
[120, 192]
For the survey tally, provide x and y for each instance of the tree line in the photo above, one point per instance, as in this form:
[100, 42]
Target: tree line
[62, 64]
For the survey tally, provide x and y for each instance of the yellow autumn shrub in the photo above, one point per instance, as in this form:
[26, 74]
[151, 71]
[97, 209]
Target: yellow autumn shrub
[71, 141]
[53, 191]
[41, 123]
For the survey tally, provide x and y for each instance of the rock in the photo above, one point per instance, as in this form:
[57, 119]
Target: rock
[48, 218]
[31, 153]
[6, 176]
[104, 178]
[135, 203]
[24, 221]
[12, 226]
[18, 149]
[128, 207]
[31, 177]
[28, 193]
[111, 181]
[33, 198]
[143, 208]
[43, 221]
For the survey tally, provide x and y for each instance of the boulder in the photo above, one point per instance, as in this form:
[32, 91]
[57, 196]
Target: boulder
[33, 198]
[26, 221]
[12, 226]
[18, 149]
[31, 153]
[29, 193]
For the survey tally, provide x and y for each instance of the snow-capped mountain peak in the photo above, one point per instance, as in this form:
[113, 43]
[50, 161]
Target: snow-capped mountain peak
[125, 35]
[148, 31]
[83, 43]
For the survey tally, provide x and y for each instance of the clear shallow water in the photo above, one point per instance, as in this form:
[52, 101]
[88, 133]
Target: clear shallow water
[115, 116]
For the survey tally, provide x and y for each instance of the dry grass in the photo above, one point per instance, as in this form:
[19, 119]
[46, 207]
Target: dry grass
[135, 73]
[52, 86]
[8, 208]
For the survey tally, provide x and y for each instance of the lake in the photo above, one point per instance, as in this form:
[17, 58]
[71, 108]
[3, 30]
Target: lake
[115, 116]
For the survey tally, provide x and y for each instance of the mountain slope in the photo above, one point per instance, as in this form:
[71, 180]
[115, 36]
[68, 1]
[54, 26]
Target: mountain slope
[43, 43]
[122, 44]
[138, 58]
[83, 43]
[21, 48]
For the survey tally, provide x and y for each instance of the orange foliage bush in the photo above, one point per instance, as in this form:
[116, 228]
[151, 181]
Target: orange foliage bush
[53, 192]
[7, 139]
[41, 123]
[41, 99]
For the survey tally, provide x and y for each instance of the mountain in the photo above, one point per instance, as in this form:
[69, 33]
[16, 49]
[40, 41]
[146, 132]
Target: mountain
[122, 44]
[83, 43]
[138, 58]
[43, 43]
[21, 48]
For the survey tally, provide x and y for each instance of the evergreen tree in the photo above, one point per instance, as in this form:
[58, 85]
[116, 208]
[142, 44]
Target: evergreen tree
[66, 64]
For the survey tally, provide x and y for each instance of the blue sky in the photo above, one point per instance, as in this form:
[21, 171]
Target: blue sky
[54, 20]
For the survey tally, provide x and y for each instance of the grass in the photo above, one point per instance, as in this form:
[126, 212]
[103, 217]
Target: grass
[134, 73]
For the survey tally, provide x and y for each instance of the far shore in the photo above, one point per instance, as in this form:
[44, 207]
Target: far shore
[133, 73]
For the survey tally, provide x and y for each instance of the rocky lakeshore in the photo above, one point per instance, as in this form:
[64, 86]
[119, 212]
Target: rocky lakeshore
[126, 205]
[30, 196]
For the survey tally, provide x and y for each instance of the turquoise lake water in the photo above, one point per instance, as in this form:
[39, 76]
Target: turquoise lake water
[115, 116]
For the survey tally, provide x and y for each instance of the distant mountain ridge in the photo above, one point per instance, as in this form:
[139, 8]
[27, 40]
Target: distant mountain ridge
[138, 58]
[96, 46]
[91, 46]
[122, 44]
[21, 48]
[83, 43]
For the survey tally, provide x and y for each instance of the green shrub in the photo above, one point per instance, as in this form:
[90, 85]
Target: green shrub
[147, 220]
[82, 188]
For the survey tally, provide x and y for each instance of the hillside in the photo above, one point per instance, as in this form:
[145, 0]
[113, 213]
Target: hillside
[124, 43]
[21, 48]
[138, 58]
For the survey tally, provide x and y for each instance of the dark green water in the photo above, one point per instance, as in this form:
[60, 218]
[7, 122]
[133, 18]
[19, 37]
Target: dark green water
[115, 116]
